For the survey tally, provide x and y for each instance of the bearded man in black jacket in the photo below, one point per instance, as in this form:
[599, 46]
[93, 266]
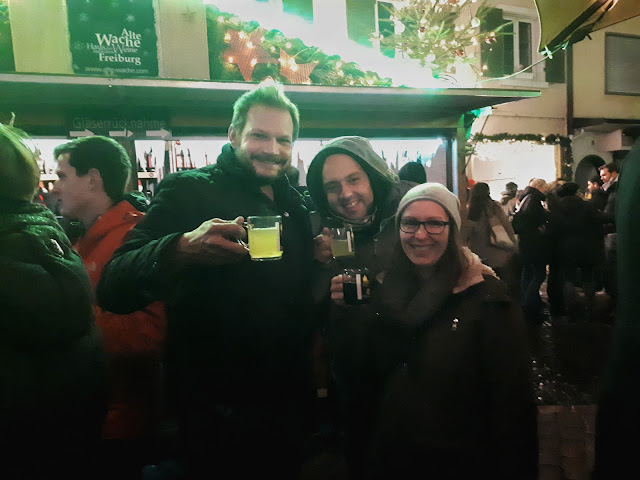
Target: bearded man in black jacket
[238, 340]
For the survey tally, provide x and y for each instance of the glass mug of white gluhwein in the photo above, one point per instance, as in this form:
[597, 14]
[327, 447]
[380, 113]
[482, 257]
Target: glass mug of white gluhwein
[264, 237]
[342, 242]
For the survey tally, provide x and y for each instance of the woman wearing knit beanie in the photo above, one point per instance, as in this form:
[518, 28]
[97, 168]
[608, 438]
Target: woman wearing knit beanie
[51, 354]
[436, 367]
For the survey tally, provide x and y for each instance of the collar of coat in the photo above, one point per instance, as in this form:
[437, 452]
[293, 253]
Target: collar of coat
[228, 163]
[121, 214]
[472, 274]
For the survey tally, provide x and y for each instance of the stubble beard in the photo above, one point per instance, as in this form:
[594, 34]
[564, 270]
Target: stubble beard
[267, 180]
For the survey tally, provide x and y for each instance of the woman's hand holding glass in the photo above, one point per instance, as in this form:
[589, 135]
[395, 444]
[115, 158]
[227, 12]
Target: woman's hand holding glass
[337, 290]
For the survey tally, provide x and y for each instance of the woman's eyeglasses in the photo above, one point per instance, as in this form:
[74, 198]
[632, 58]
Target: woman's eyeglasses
[434, 227]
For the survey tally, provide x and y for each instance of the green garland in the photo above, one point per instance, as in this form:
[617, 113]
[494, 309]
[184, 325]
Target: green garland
[330, 69]
[525, 137]
[564, 142]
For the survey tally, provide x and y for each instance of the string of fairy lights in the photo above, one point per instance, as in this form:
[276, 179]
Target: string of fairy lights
[440, 34]
[255, 53]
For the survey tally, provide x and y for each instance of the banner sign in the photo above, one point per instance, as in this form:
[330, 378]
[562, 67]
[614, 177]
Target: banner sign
[114, 38]
[147, 123]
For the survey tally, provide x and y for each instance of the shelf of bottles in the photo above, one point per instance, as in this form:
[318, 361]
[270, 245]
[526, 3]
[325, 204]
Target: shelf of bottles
[157, 158]
[43, 148]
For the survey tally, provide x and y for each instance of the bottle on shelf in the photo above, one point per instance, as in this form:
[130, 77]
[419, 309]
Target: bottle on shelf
[150, 165]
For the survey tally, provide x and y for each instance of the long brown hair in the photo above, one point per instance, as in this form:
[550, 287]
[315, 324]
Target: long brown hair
[480, 201]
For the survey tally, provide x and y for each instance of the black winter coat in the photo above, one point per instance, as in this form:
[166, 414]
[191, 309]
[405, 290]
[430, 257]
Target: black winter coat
[530, 224]
[609, 211]
[461, 405]
[575, 233]
[52, 384]
[237, 334]
[448, 396]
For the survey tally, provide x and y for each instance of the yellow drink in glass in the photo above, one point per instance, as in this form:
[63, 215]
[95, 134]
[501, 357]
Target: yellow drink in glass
[264, 243]
[340, 248]
[342, 242]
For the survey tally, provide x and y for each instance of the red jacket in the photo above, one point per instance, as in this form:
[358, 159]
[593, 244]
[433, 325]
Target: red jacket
[133, 341]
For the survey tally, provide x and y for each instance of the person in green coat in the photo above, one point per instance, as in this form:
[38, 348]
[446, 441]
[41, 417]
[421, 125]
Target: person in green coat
[618, 417]
[52, 396]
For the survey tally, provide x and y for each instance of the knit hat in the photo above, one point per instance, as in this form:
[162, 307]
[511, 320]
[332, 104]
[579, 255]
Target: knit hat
[413, 172]
[434, 192]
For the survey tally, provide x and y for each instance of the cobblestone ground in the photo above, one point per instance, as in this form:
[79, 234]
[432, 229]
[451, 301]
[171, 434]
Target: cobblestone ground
[568, 359]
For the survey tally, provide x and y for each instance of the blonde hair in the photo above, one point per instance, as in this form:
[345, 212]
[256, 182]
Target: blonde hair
[551, 187]
[537, 183]
[19, 171]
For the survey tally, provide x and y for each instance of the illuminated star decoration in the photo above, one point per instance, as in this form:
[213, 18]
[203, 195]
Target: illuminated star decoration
[294, 72]
[245, 51]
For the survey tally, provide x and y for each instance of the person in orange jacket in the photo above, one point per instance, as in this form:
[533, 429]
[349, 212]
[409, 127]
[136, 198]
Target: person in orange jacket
[93, 173]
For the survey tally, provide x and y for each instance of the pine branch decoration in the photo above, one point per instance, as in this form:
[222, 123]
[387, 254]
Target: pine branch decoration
[438, 33]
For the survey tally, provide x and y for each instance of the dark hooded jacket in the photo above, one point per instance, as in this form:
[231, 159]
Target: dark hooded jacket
[575, 231]
[530, 223]
[372, 241]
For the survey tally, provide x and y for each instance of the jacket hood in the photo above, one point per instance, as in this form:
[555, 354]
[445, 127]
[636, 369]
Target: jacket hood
[380, 175]
[17, 215]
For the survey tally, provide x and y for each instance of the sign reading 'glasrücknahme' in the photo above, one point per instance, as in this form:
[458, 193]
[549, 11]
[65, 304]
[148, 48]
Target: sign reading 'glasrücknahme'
[114, 38]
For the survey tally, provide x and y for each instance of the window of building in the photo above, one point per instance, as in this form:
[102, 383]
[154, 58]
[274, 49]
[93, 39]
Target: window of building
[622, 69]
[518, 46]
[516, 49]
[384, 27]
[302, 8]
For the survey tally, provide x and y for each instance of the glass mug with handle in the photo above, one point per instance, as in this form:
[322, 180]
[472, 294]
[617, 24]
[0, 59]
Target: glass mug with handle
[356, 286]
[342, 244]
[264, 237]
